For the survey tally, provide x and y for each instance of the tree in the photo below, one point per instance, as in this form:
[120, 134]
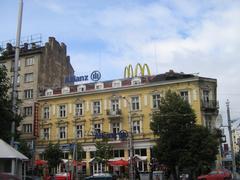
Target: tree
[53, 155]
[103, 151]
[6, 114]
[180, 138]
[25, 149]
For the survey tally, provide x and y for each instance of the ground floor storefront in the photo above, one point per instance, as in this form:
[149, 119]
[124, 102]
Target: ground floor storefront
[118, 165]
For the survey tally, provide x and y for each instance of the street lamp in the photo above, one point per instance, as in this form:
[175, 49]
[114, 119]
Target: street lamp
[130, 141]
[231, 142]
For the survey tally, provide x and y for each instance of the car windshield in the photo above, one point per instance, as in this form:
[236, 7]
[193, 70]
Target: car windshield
[216, 172]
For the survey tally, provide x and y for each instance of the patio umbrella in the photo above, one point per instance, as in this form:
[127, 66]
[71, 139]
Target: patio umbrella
[40, 162]
[120, 162]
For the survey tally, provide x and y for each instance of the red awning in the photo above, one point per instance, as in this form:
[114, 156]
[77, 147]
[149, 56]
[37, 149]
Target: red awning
[120, 162]
[40, 162]
[82, 163]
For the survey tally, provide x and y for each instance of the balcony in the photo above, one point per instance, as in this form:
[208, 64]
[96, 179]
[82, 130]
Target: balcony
[210, 105]
[114, 114]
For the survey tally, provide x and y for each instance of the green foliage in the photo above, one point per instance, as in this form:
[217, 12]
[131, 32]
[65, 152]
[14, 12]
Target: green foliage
[53, 155]
[237, 159]
[103, 151]
[6, 114]
[182, 144]
[24, 149]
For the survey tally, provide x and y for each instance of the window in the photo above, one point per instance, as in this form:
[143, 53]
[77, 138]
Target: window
[114, 105]
[140, 152]
[156, 101]
[205, 95]
[62, 133]
[65, 90]
[96, 107]
[184, 95]
[28, 77]
[99, 86]
[92, 154]
[115, 127]
[29, 61]
[62, 111]
[135, 103]
[136, 127]
[79, 109]
[28, 93]
[118, 153]
[116, 84]
[81, 88]
[27, 128]
[46, 112]
[46, 134]
[136, 81]
[28, 111]
[97, 128]
[48, 92]
[141, 166]
[79, 131]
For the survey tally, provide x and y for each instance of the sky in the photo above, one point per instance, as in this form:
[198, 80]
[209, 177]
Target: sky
[189, 36]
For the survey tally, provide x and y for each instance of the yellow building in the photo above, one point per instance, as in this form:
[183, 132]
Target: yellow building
[83, 110]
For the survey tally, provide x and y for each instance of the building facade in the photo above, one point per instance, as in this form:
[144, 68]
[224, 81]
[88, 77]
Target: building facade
[39, 67]
[87, 112]
[236, 139]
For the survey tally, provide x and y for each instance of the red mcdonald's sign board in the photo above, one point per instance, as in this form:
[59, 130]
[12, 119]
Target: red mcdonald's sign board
[35, 120]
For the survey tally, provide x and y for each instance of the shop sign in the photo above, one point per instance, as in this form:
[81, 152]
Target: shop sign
[122, 135]
[94, 76]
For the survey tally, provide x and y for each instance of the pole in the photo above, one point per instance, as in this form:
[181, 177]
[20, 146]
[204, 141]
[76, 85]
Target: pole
[231, 142]
[76, 150]
[15, 74]
[130, 141]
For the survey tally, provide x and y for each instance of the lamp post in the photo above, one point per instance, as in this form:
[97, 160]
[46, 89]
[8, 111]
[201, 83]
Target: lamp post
[231, 142]
[130, 141]
[15, 73]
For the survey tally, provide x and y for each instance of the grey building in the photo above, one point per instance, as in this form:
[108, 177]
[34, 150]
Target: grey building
[40, 67]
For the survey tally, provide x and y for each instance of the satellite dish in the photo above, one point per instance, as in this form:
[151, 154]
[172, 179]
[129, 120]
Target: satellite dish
[219, 121]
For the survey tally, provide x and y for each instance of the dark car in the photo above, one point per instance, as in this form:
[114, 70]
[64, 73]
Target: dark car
[219, 174]
[103, 176]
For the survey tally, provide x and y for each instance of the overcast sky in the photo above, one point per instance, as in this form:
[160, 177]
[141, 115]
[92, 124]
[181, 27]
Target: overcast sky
[186, 36]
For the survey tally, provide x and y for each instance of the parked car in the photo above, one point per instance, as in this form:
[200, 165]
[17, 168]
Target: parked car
[63, 176]
[102, 176]
[219, 174]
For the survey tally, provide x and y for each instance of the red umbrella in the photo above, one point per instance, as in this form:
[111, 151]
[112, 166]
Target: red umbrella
[120, 162]
[40, 162]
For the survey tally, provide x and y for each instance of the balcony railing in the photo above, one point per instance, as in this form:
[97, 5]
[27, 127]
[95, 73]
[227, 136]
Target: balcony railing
[117, 112]
[210, 104]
